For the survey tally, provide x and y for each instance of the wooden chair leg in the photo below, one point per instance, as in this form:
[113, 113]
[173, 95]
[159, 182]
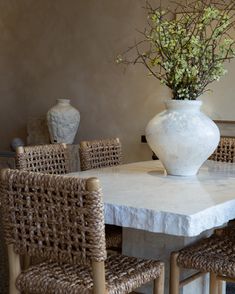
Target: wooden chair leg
[213, 284]
[98, 277]
[158, 284]
[25, 262]
[174, 275]
[220, 286]
[14, 269]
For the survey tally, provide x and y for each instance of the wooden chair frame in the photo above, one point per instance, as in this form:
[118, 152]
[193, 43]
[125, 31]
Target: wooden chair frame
[216, 281]
[98, 268]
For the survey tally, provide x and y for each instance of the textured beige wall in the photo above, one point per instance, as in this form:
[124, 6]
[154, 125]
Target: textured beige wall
[65, 49]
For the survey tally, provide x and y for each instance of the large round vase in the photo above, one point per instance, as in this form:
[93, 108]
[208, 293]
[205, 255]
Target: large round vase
[63, 121]
[182, 137]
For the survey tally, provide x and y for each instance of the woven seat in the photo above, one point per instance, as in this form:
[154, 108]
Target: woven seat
[50, 159]
[61, 220]
[225, 151]
[98, 154]
[214, 255]
[123, 274]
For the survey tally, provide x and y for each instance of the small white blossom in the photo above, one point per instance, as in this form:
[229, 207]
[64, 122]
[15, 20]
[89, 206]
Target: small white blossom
[186, 54]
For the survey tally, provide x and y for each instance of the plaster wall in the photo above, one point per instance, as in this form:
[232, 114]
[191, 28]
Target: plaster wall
[66, 49]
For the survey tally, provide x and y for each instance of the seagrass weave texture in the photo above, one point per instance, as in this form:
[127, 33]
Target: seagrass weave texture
[214, 254]
[113, 235]
[60, 219]
[123, 275]
[100, 153]
[225, 151]
[52, 217]
[97, 154]
[50, 159]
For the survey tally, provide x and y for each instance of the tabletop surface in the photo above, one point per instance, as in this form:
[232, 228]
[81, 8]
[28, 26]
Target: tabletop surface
[140, 195]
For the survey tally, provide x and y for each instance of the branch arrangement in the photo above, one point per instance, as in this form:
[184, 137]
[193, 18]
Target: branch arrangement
[186, 52]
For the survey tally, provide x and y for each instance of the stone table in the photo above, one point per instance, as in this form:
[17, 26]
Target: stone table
[162, 213]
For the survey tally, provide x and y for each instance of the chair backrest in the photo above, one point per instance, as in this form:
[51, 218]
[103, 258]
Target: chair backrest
[225, 151]
[100, 153]
[50, 159]
[54, 217]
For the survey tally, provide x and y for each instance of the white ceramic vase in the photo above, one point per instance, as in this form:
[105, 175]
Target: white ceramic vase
[63, 121]
[182, 137]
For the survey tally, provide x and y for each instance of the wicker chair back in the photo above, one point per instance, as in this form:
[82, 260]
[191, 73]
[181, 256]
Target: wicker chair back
[225, 151]
[50, 159]
[100, 153]
[53, 217]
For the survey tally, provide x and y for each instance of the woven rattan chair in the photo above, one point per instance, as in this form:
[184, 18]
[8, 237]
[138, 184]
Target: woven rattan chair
[50, 159]
[97, 154]
[53, 159]
[61, 219]
[214, 255]
[100, 153]
[225, 151]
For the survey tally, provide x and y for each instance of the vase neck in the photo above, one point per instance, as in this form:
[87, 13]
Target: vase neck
[63, 101]
[189, 105]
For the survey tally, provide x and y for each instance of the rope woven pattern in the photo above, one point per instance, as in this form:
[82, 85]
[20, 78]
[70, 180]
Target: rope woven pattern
[52, 217]
[50, 159]
[123, 274]
[100, 153]
[97, 154]
[113, 235]
[57, 218]
[214, 254]
[225, 151]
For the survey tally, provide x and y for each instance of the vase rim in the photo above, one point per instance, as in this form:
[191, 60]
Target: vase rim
[64, 100]
[189, 105]
[190, 102]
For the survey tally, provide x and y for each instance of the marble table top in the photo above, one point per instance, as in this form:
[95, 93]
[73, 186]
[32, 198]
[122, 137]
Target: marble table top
[140, 195]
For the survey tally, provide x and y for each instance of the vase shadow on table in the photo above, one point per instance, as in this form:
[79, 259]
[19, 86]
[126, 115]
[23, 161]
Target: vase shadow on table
[157, 173]
[163, 174]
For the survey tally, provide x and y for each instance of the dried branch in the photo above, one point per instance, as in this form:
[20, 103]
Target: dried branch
[186, 54]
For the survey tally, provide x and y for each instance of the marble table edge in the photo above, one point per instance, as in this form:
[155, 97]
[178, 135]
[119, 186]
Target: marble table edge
[168, 222]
